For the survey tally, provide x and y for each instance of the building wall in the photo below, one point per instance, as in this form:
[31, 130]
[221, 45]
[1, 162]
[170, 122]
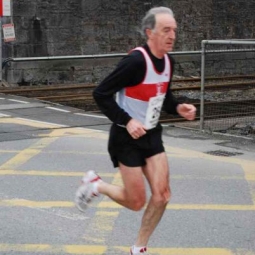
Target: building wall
[78, 27]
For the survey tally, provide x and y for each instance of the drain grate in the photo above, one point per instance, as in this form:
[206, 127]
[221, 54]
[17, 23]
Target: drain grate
[223, 153]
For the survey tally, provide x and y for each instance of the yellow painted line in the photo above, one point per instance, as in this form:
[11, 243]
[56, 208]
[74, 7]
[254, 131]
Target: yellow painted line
[217, 207]
[35, 204]
[69, 249]
[77, 152]
[191, 251]
[83, 132]
[27, 122]
[251, 177]
[9, 151]
[112, 205]
[249, 172]
[60, 129]
[191, 206]
[103, 249]
[112, 175]
[49, 173]
[62, 152]
[27, 154]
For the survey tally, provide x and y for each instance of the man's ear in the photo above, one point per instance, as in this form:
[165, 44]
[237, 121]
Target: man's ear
[148, 33]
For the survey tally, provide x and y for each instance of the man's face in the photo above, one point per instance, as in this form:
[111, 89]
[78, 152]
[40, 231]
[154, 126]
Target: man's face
[163, 35]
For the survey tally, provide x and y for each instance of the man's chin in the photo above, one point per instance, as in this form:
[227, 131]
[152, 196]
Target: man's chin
[170, 48]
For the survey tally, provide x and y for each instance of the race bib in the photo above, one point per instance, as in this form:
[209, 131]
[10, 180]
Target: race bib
[153, 111]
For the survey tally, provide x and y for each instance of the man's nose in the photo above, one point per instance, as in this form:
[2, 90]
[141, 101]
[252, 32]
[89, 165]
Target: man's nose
[171, 34]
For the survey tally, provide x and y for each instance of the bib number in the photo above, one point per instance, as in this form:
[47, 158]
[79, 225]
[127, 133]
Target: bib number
[153, 111]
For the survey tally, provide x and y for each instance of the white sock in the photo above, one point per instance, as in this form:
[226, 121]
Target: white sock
[137, 249]
[95, 188]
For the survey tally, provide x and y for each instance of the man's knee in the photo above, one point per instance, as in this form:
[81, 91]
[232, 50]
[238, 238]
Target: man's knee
[137, 203]
[162, 197]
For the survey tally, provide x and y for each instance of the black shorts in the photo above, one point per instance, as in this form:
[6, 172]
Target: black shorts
[133, 152]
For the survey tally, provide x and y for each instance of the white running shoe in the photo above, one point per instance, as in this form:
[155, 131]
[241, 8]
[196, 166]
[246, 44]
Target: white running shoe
[142, 251]
[85, 193]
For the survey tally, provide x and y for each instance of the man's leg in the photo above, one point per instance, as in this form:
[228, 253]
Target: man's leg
[157, 174]
[133, 194]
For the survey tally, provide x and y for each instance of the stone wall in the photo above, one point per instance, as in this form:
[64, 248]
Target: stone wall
[78, 27]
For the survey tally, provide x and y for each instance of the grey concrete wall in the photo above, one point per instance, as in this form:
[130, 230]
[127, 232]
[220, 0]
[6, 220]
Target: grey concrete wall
[79, 27]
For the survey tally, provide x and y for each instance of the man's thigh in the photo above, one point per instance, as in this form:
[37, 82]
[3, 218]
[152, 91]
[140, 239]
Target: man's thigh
[133, 181]
[156, 171]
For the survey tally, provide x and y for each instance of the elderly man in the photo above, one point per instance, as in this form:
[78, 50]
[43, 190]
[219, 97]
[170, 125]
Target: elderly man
[141, 82]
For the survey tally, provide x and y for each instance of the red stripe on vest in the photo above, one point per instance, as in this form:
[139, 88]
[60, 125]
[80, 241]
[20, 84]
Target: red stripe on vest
[145, 91]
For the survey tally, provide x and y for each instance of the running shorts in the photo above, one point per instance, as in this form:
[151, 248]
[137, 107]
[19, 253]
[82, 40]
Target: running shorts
[133, 152]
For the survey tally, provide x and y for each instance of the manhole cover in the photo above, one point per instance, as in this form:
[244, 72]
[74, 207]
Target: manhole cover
[223, 153]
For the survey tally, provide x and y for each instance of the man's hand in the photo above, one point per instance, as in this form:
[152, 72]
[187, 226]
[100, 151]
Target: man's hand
[188, 111]
[136, 129]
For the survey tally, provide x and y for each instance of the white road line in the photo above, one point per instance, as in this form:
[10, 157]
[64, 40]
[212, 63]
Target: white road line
[18, 101]
[57, 109]
[2, 98]
[91, 115]
[43, 122]
[94, 130]
[4, 115]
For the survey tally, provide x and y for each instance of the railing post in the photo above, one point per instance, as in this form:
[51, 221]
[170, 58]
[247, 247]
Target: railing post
[203, 45]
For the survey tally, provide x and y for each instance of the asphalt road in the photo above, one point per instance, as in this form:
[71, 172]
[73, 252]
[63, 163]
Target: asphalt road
[44, 151]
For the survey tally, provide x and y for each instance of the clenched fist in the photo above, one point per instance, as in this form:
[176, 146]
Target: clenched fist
[187, 111]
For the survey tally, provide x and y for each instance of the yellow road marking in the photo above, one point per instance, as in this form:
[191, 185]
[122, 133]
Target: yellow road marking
[102, 249]
[112, 205]
[69, 249]
[49, 173]
[191, 206]
[61, 152]
[9, 151]
[27, 122]
[112, 175]
[27, 154]
[192, 251]
[60, 130]
[35, 204]
[184, 251]
[249, 173]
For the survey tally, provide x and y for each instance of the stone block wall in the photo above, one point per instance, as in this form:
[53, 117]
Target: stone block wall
[78, 27]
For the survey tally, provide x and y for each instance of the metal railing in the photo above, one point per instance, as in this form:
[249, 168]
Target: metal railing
[114, 55]
[204, 52]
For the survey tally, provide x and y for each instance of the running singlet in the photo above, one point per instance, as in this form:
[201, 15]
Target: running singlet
[144, 101]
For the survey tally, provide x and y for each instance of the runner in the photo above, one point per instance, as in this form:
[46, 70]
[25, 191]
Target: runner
[141, 82]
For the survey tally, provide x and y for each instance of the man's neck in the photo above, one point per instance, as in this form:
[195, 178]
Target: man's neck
[154, 52]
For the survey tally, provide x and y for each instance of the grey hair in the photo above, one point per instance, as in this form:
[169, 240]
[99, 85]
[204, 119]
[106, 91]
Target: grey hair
[149, 20]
